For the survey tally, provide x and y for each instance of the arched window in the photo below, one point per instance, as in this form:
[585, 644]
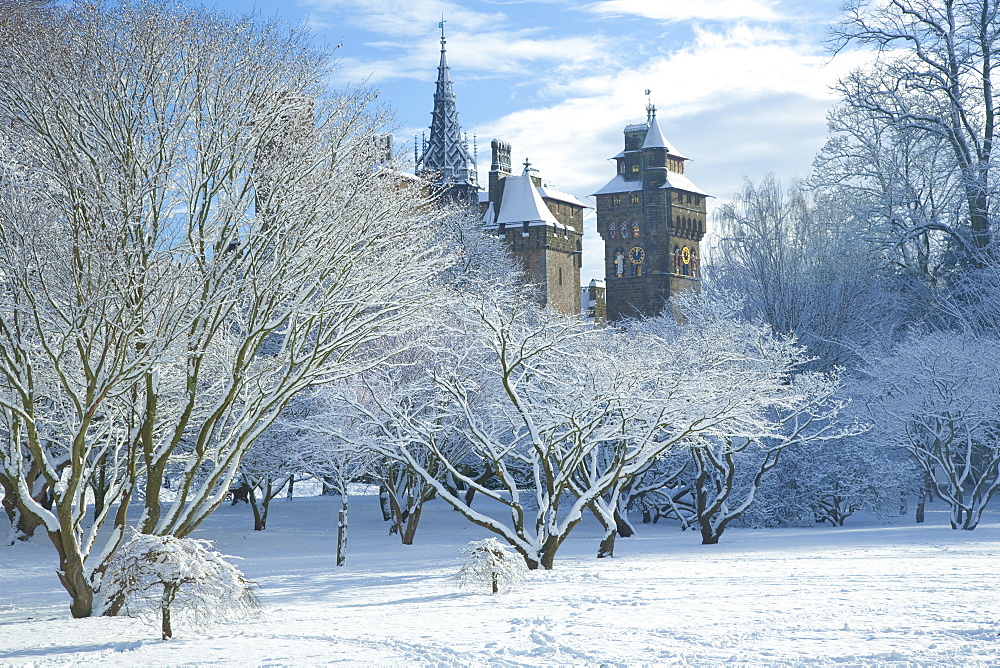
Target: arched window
[623, 226]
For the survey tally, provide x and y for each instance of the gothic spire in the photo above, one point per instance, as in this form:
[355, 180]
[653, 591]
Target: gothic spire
[446, 153]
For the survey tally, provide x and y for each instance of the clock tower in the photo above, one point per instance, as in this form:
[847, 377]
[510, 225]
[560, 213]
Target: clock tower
[652, 219]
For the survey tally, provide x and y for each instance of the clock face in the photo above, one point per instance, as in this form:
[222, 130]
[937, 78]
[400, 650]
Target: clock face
[636, 255]
[686, 255]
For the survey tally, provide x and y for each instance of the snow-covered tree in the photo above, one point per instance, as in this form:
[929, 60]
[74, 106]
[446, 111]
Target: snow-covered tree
[266, 469]
[804, 269]
[560, 416]
[490, 563]
[322, 453]
[758, 400]
[936, 397]
[193, 231]
[933, 79]
[829, 481]
[729, 468]
[506, 393]
[161, 574]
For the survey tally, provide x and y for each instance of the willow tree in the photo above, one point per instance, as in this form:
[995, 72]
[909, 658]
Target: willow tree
[194, 229]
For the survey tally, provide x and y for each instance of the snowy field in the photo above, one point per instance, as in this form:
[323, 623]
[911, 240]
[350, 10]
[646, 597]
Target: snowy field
[866, 594]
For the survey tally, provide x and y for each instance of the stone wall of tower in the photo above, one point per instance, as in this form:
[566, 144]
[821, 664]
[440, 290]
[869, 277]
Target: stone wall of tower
[562, 270]
[551, 259]
[687, 219]
[644, 288]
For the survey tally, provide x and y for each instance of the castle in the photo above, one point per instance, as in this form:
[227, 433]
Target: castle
[650, 215]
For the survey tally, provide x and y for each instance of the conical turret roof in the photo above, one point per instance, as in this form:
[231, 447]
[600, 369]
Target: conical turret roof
[655, 138]
[521, 203]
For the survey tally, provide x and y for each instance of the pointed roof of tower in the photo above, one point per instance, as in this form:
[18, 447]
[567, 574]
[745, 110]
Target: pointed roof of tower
[446, 151]
[521, 202]
[655, 138]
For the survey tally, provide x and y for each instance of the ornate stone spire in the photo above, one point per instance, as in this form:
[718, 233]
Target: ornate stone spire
[446, 154]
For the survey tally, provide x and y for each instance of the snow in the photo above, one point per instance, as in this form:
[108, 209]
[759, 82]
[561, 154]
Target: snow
[618, 185]
[681, 182]
[521, 203]
[548, 192]
[655, 139]
[868, 594]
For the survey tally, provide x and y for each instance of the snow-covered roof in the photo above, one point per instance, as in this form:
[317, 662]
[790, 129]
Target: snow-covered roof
[483, 196]
[521, 203]
[548, 192]
[681, 182]
[655, 139]
[619, 185]
[489, 215]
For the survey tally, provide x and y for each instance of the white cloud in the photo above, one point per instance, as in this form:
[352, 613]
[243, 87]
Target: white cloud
[413, 19]
[675, 10]
[483, 43]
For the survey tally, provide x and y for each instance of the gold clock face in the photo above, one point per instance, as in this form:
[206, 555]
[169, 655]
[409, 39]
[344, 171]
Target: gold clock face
[637, 255]
[686, 255]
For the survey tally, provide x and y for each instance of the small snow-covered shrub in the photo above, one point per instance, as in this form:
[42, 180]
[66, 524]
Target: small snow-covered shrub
[155, 574]
[492, 564]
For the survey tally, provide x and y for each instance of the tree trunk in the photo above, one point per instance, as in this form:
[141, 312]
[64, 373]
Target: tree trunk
[342, 531]
[605, 517]
[383, 502]
[169, 591]
[607, 547]
[623, 526]
[73, 577]
[709, 536]
[547, 554]
[291, 486]
[412, 520]
[925, 494]
[258, 520]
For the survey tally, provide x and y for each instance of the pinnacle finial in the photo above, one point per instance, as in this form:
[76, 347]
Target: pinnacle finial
[527, 165]
[441, 25]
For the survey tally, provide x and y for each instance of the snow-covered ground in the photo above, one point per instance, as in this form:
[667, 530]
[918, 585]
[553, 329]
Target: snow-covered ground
[866, 594]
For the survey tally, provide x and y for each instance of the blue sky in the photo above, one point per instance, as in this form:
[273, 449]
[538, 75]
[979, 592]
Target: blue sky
[740, 86]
